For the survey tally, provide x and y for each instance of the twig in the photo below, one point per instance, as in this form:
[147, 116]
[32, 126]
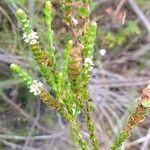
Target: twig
[23, 113]
[33, 138]
[140, 14]
[15, 146]
[12, 25]
[60, 122]
[31, 5]
[130, 56]
[8, 59]
[33, 125]
[119, 6]
[122, 83]
[146, 142]
[138, 141]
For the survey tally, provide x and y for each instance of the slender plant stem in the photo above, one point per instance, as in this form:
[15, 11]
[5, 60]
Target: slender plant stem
[90, 126]
[135, 118]
[76, 134]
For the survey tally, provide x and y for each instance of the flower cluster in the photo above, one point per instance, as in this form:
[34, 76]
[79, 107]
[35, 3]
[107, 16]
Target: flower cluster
[35, 88]
[89, 63]
[31, 38]
[29, 35]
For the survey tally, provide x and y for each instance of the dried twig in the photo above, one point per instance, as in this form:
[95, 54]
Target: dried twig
[14, 146]
[146, 142]
[25, 114]
[33, 125]
[119, 6]
[140, 14]
[33, 138]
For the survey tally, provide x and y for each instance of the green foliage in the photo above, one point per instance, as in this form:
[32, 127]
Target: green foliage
[22, 17]
[66, 102]
[88, 40]
[70, 82]
[112, 40]
[27, 79]
[135, 118]
[146, 104]
[118, 143]
[83, 12]
[48, 19]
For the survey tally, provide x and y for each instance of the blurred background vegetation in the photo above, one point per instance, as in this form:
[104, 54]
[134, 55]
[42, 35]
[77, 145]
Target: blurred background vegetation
[118, 76]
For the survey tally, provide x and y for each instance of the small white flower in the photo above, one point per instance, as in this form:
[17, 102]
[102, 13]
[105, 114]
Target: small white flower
[26, 40]
[74, 20]
[35, 88]
[24, 35]
[31, 38]
[91, 68]
[102, 52]
[32, 42]
[89, 62]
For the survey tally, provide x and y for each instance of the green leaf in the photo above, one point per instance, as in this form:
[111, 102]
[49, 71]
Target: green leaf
[146, 103]
[83, 12]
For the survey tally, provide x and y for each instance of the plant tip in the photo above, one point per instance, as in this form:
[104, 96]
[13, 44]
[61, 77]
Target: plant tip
[48, 3]
[20, 12]
[13, 66]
